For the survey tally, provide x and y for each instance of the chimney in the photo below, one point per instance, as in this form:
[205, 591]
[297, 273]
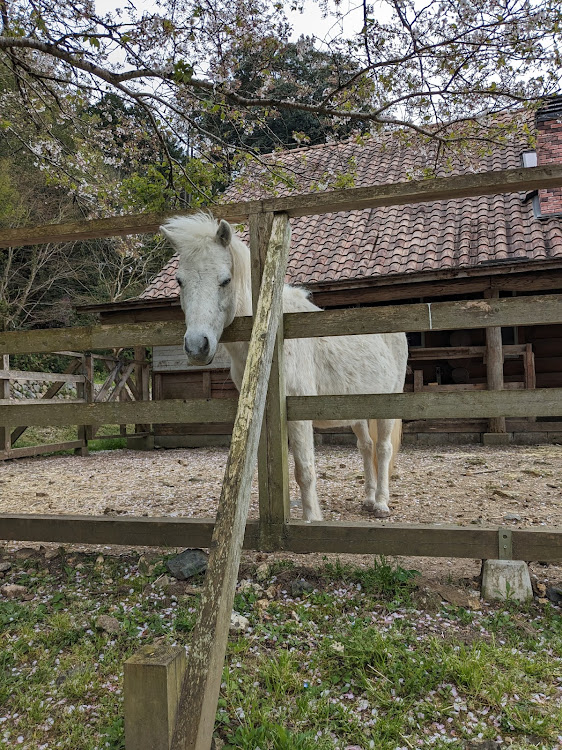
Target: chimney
[548, 122]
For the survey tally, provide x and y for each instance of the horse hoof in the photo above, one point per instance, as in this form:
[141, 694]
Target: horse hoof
[379, 512]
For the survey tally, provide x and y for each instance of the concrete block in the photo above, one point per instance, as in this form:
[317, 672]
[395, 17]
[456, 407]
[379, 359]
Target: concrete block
[433, 438]
[463, 438]
[506, 580]
[530, 438]
[496, 438]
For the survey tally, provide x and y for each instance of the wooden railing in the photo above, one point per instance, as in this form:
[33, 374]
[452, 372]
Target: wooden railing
[262, 396]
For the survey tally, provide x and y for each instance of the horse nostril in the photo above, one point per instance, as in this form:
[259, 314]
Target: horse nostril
[205, 344]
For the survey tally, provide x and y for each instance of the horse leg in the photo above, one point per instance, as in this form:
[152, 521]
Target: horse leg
[301, 440]
[384, 451]
[367, 449]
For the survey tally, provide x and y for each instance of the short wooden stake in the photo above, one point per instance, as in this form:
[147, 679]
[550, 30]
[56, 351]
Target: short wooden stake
[152, 684]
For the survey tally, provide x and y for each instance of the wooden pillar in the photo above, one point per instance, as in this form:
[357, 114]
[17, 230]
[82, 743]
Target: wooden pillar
[5, 432]
[273, 456]
[494, 365]
[201, 684]
[152, 684]
[82, 392]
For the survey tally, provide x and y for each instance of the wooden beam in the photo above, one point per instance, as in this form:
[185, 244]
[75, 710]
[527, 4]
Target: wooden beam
[435, 316]
[5, 431]
[494, 365]
[170, 411]
[200, 689]
[362, 537]
[47, 377]
[39, 450]
[470, 404]
[273, 454]
[401, 193]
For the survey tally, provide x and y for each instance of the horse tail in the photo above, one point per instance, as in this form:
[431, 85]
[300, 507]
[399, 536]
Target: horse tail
[395, 439]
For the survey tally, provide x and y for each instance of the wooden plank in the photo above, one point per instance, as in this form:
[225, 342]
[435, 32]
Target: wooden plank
[401, 193]
[494, 364]
[471, 404]
[47, 377]
[425, 316]
[437, 316]
[40, 401]
[273, 455]
[38, 450]
[172, 411]
[200, 689]
[363, 537]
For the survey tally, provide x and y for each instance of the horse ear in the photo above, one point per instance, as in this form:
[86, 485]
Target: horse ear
[167, 234]
[224, 233]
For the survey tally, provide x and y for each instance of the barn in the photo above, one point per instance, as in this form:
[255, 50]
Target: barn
[476, 248]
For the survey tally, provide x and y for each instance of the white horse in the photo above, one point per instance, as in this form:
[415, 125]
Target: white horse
[215, 286]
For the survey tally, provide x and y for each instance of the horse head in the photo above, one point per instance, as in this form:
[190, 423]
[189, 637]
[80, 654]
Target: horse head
[205, 271]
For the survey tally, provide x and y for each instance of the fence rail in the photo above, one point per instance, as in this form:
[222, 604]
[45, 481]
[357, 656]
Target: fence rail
[439, 316]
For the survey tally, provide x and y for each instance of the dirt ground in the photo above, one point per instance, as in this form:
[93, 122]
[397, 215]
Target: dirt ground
[520, 486]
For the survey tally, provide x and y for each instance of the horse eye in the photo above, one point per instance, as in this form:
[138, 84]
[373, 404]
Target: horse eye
[226, 282]
[180, 282]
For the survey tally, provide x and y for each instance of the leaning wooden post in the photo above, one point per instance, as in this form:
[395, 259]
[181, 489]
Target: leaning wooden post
[201, 685]
[5, 432]
[82, 392]
[494, 372]
[273, 455]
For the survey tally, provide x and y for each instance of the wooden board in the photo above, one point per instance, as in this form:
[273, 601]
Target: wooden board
[425, 405]
[367, 537]
[509, 311]
[401, 193]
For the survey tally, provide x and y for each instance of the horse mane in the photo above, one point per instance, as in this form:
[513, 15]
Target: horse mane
[192, 234]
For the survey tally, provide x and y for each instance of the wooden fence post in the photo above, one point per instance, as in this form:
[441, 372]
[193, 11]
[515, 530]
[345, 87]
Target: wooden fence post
[201, 685]
[152, 684]
[5, 432]
[273, 457]
[494, 366]
[82, 392]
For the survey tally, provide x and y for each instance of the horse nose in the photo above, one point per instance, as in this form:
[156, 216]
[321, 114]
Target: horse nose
[196, 346]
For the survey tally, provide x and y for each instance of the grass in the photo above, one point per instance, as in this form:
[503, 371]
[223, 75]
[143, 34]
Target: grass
[351, 662]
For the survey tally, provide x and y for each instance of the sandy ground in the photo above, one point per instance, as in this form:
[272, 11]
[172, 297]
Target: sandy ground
[520, 486]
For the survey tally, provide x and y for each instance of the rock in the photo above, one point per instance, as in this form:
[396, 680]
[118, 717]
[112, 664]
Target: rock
[24, 553]
[512, 517]
[554, 594]
[13, 591]
[482, 745]
[108, 624]
[271, 592]
[5, 566]
[506, 579]
[187, 564]
[300, 587]
[263, 572]
[238, 623]
[51, 554]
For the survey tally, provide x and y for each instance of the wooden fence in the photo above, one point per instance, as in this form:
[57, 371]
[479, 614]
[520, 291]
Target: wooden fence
[127, 379]
[262, 398]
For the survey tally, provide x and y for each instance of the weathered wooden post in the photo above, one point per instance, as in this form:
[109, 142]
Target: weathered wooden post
[152, 684]
[496, 434]
[273, 458]
[82, 391]
[5, 432]
[201, 684]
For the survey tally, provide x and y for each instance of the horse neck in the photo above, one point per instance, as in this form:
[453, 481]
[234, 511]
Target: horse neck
[241, 276]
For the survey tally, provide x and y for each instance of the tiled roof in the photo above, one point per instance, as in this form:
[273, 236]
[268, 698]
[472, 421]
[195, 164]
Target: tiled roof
[397, 239]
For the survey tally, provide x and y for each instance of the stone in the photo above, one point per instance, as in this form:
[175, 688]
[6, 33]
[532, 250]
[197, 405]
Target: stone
[512, 517]
[13, 591]
[238, 623]
[554, 594]
[506, 580]
[496, 438]
[5, 566]
[108, 624]
[187, 564]
[52, 554]
[262, 572]
[300, 587]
